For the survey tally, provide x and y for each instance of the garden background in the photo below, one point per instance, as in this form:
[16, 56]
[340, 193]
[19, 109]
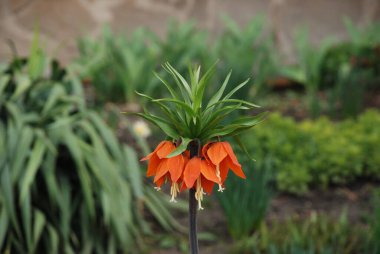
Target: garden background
[70, 176]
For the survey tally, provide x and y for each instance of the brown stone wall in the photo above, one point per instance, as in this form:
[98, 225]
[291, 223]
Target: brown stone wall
[62, 21]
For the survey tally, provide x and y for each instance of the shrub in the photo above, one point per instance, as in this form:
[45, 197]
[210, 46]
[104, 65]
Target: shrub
[318, 152]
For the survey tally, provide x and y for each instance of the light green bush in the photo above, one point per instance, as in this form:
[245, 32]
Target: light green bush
[318, 152]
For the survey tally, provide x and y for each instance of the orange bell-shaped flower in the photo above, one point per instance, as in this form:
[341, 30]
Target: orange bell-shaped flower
[223, 157]
[163, 168]
[201, 175]
[162, 150]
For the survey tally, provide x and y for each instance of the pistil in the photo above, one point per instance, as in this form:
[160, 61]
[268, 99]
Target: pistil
[221, 189]
[174, 190]
[199, 194]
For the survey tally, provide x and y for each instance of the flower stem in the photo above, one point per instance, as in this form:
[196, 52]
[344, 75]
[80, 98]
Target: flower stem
[194, 148]
[193, 222]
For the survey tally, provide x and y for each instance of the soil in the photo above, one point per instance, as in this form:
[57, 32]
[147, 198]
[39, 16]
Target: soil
[354, 200]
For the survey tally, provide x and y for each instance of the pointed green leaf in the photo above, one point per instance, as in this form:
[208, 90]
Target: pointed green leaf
[160, 123]
[183, 105]
[220, 92]
[34, 163]
[202, 86]
[180, 77]
[39, 224]
[181, 148]
[4, 221]
[243, 147]
[133, 170]
[170, 89]
[235, 90]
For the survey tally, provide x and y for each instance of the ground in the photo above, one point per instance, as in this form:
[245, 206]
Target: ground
[332, 202]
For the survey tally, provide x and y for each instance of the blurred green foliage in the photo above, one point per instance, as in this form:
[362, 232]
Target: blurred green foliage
[117, 65]
[345, 70]
[318, 152]
[67, 184]
[75, 188]
[245, 202]
[247, 50]
[372, 242]
[316, 234]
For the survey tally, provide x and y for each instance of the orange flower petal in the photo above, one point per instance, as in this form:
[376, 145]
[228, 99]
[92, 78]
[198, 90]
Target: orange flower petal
[183, 187]
[176, 165]
[236, 168]
[186, 154]
[231, 153]
[216, 153]
[154, 161]
[204, 151]
[161, 170]
[165, 149]
[192, 171]
[154, 152]
[207, 185]
[209, 171]
[223, 168]
[160, 181]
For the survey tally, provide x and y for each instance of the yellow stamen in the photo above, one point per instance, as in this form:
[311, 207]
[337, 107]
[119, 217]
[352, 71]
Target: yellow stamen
[199, 194]
[221, 189]
[174, 190]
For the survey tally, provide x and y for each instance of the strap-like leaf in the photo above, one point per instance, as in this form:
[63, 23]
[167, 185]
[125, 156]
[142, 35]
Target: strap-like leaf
[202, 86]
[181, 83]
[181, 148]
[220, 92]
[243, 147]
[170, 89]
[184, 106]
[235, 90]
[160, 123]
[34, 163]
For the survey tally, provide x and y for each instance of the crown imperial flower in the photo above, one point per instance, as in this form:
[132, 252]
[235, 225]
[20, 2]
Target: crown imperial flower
[189, 121]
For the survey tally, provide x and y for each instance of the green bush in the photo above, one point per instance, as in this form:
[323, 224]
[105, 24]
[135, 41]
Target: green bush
[66, 184]
[318, 152]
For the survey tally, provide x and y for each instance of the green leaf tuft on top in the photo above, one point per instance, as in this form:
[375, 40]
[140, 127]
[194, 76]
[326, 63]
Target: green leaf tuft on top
[185, 117]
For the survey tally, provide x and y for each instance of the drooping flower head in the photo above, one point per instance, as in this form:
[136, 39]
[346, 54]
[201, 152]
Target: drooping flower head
[221, 155]
[165, 169]
[189, 119]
